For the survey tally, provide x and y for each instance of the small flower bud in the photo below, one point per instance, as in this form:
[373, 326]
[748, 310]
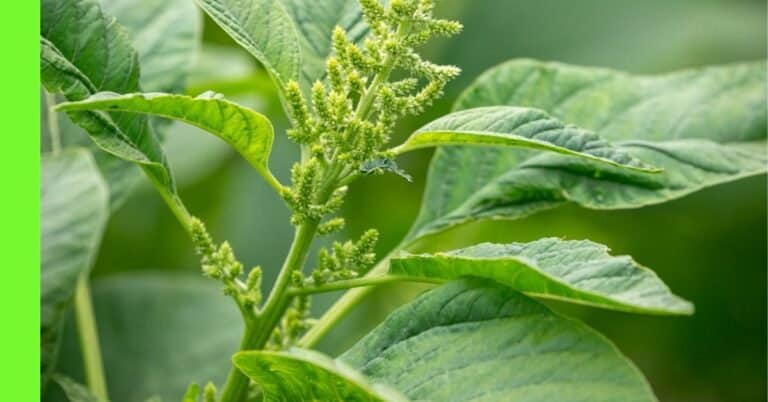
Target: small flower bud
[319, 100]
[372, 10]
[331, 226]
[254, 279]
[209, 393]
[335, 74]
[403, 9]
[320, 277]
[297, 279]
[340, 43]
[201, 239]
[211, 271]
[302, 121]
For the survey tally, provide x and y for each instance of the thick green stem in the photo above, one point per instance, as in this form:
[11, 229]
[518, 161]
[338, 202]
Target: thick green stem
[278, 300]
[236, 385]
[89, 340]
[257, 335]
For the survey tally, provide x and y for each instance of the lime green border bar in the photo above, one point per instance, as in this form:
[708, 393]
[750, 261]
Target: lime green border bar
[20, 216]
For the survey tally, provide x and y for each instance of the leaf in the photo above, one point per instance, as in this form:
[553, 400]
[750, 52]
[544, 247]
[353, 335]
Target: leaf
[74, 391]
[250, 133]
[291, 38]
[719, 103]
[161, 331]
[473, 340]
[83, 51]
[702, 127]
[517, 127]
[305, 375]
[314, 22]
[73, 213]
[166, 34]
[264, 29]
[121, 176]
[573, 271]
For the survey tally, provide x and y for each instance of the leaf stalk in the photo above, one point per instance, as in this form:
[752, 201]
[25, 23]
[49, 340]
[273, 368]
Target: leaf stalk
[364, 281]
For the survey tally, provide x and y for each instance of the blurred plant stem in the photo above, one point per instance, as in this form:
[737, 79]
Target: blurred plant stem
[89, 340]
[53, 123]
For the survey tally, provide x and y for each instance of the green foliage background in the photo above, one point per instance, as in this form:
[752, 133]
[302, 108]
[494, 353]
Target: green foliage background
[709, 247]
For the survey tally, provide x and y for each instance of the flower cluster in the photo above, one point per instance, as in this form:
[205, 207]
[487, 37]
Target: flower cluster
[306, 199]
[349, 117]
[343, 123]
[220, 263]
[345, 260]
[294, 324]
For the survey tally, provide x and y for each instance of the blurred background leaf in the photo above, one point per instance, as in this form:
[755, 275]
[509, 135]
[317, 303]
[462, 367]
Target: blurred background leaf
[159, 332]
[709, 247]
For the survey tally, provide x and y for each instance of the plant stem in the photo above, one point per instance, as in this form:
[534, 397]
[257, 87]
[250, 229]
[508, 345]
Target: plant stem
[89, 339]
[53, 123]
[278, 300]
[257, 335]
[236, 386]
[174, 203]
[272, 180]
[359, 282]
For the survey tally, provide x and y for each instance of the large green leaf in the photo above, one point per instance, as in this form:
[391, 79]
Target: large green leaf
[517, 127]
[543, 182]
[73, 212]
[703, 127]
[573, 271]
[292, 38]
[166, 34]
[250, 133]
[474, 340]
[83, 51]
[305, 375]
[161, 331]
[721, 103]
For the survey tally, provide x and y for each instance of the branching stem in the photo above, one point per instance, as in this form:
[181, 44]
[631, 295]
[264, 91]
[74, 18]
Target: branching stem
[258, 333]
[344, 305]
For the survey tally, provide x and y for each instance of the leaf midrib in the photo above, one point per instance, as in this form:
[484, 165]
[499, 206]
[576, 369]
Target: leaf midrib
[529, 265]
